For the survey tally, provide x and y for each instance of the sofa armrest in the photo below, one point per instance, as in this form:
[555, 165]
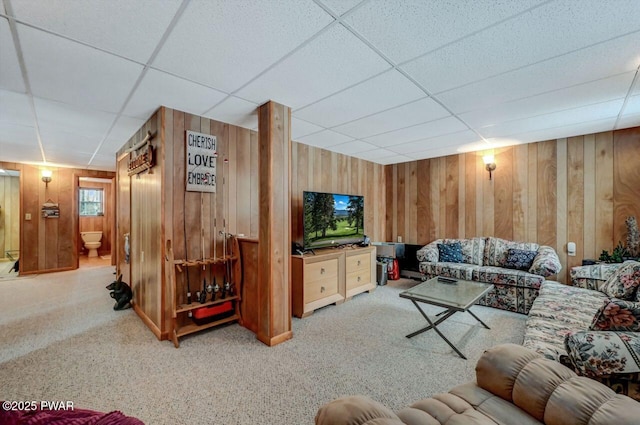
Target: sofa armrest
[601, 354]
[617, 315]
[546, 263]
[356, 410]
[429, 252]
[592, 276]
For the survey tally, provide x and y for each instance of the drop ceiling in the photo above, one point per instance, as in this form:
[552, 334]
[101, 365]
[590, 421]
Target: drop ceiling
[388, 81]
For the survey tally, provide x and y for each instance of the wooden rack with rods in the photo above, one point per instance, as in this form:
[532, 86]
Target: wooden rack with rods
[178, 266]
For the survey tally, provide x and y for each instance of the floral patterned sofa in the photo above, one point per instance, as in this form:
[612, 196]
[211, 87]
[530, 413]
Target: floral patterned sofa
[592, 325]
[516, 269]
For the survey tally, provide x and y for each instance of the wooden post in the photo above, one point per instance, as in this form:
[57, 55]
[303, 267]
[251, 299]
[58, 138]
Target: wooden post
[274, 284]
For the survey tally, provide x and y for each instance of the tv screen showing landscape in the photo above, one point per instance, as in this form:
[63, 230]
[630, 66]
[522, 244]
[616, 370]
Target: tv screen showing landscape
[332, 219]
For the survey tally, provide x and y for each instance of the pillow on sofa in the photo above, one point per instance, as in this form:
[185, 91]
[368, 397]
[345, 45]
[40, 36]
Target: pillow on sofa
[624, 282]
[519, 259]
[603, 353]
[617, 315]
[450, 252]
[495, 250]
[546, 262]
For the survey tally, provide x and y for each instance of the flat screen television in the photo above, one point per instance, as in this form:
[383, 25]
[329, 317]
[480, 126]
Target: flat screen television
[332, 219]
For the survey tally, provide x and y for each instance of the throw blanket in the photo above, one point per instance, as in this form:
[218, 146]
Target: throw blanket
[65, 417]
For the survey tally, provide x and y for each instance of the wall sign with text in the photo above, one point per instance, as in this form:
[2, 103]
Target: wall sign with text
[201, 162]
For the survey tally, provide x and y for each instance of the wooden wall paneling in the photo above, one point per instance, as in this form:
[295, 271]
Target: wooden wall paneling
[325, 170]
[532, 192]
[233, 179]
[342, 173]
[394, 185]
[387, 234]
[449, 191]
[166, 169]
[479, 176]
[575, 202]
[442, 195]
[604, 192]
[369, 190]
[519, 190]
[424, 225]
[67, 247]
[503, 192]
[50, 225]
[249, 305]
[488, 206]
[243, 185]
[411, 210]
[123, 216]
[179, 190]
[560, 224]
[255, 214]
[546, 194]
[589, 217]
[296, 199]
[222, 132]
[31, 228]
[462, 195]
[434, 190]
[402, 203]
[626, 180]
[469, 184]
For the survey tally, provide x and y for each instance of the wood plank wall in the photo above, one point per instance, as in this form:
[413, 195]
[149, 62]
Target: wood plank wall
[9, 214]
[102, 223]
[56, 240]
[578, 189]
[315, 169]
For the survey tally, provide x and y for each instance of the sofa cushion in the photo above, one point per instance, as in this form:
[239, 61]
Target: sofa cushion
[624, 282]
[558, 310]
[472, 250]
[592, 276]
[456, 270]
[450, 252]
[519, 259]
[358, 408]
[617, 315]
[496, 249]
[603, 353]
[546, 262]
[504, 276]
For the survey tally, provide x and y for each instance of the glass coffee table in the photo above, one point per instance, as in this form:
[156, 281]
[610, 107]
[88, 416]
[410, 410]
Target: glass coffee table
[453, 294]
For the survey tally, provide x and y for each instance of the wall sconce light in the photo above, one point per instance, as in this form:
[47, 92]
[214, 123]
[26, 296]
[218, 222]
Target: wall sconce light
[489, 163]
[46, 177]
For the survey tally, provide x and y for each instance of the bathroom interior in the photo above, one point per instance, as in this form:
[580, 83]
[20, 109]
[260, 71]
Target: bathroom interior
[9, 220]
[96, 221]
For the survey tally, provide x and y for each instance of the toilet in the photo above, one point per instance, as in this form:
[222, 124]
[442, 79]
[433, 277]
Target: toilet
[91, 242]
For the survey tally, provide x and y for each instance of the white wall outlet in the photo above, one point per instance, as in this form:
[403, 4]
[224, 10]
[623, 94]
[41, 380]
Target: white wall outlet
[399, 239]
[571, 249]
[27, 216]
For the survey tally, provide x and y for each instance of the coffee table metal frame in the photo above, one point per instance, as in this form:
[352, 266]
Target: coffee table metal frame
[451, 307]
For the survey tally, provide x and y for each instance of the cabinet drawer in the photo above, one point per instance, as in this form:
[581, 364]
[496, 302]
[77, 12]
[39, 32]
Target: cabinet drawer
[358, 278]
[358, 262]
[321, 270]
[318, 289]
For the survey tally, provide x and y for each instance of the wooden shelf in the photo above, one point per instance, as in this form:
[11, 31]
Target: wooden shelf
[179, 311]
[192, 327]
[193, 306]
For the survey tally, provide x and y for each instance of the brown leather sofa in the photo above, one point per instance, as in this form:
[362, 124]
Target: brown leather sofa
[513, 385]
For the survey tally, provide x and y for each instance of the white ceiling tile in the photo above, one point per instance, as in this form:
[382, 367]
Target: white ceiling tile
[17, 152]
[58, 140]
[435, 153]
[418, 132]
[67, 157]
[75, 74]
[627, 121]
[109, 25]
[10, 74]
[614, 57]
[161, 89]
[353, 147]
[633, 106]
[72, 119]
[556, 119]
[15, 108]
[18, 134]
[236, 111]
[342, 6]
[394, 159]
[446, 141]
[225, 44]
[567, 98]
[379, 93]
[375, 155]
[104, 162]
[519, 42]
[405, 29]
[579, 129]
[331, 62]
[122, 131]
[325, 139]
[413, 113]
[301, 128]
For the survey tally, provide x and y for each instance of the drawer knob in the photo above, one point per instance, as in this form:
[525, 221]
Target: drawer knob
[322, 289]
[358, 262]
[358, 278]
[322, 270]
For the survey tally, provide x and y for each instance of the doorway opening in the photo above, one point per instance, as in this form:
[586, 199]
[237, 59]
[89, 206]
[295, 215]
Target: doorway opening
[9, 223]
[96, 216]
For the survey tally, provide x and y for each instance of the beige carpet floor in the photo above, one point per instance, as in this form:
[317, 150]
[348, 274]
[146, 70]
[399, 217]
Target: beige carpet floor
[61, 340]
